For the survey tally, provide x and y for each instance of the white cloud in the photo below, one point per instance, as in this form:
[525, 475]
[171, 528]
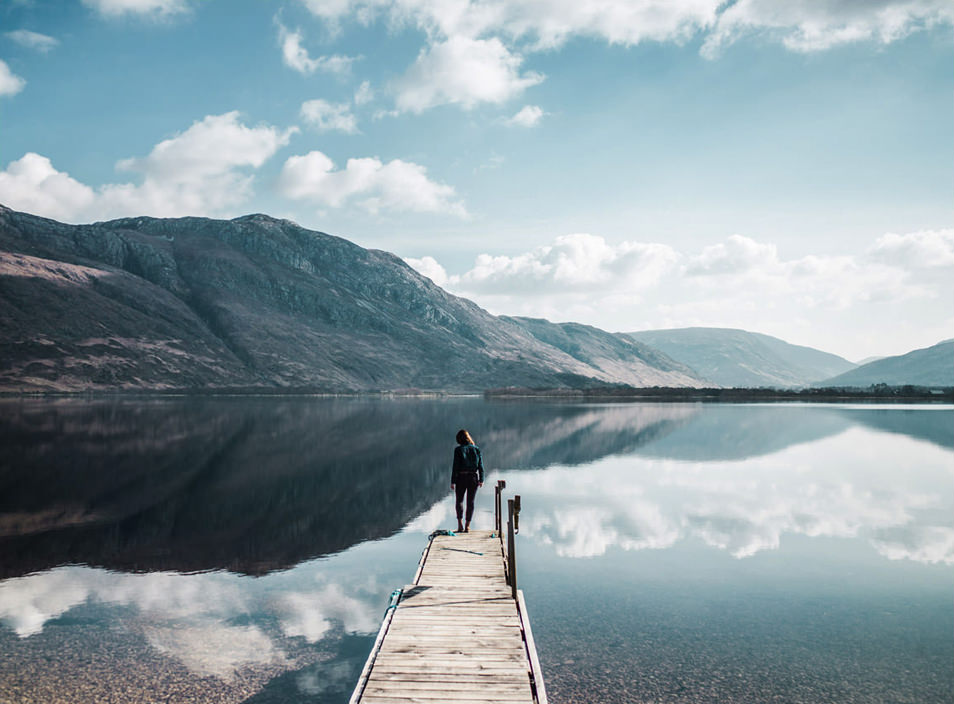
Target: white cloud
[548, 23]
[735, 255]
[463, 71]
[33, 185]
[326, 116]
[573, 263]
[429, 267]
[10, 83]
[198, 171]
[741, 282]
[821, 24]
[156, 8]
[810, 25]
[741, 266]
[33, 40]
[471, 54]
[296, 56]
[396, 185]
[924, 249]
[529, 116]
[364, 94]
[201, 171]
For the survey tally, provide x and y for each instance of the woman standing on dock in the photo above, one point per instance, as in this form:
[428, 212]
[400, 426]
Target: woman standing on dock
[466, 476]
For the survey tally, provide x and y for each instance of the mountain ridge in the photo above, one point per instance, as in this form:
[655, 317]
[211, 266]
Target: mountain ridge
[733, 357]
[927, 366]
[254, 302]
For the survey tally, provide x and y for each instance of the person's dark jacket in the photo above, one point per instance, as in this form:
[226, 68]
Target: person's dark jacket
[462, 466]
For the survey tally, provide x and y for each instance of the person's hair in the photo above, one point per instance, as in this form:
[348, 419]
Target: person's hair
[463, 438]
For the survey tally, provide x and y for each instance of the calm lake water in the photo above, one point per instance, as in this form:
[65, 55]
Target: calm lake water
[243, 549]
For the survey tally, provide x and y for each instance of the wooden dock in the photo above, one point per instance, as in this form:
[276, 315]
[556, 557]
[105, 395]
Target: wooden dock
[457, 634]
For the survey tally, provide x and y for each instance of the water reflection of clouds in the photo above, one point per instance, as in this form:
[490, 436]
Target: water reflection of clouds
[312, 614]
[215, 624]
[858, 484]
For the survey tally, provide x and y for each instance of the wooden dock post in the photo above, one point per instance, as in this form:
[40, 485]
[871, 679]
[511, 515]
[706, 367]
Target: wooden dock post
[511, 550]
[498, 520]
[460, 633]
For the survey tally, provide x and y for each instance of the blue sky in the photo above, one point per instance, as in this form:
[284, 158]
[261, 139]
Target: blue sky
[780, 167]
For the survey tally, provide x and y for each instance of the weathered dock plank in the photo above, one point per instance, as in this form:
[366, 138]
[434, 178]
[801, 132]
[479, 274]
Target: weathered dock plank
[456, 634]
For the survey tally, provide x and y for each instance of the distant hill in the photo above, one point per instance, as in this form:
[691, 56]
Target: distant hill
[258, 303]
[866, 360]
[931, 366]
[631, 362]
[729, 357]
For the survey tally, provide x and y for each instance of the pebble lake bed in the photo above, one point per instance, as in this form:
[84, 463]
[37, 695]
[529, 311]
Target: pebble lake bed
[243, 549]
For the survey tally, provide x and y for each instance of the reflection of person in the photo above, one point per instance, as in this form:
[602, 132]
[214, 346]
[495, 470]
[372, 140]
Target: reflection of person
[466, 476]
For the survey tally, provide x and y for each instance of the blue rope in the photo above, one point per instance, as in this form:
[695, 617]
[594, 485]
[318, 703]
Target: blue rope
[395, 595]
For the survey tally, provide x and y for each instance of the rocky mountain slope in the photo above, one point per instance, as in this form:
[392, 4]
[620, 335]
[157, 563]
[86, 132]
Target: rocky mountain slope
[255, 302]
[728, 357]
[930, 366]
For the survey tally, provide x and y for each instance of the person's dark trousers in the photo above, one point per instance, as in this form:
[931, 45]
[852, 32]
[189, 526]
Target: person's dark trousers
[466, 484]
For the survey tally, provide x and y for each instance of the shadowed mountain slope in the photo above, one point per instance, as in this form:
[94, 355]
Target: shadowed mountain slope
[254, 302]
[729, 357]
[930, 366]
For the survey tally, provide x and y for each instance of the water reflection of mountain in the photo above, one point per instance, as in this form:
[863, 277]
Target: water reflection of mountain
[931, 424]
[732, 432]
[253, 485]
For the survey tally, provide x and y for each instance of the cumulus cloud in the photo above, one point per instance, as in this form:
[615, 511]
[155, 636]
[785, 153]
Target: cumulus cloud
[822, 24]
[325, 116]
[547, 23]
[10, 83]
[155, 8]
[738, 282]
[473, 47]
[923, 249]
[33, 185]
[296, 56]
[528, 116]
[429, 267]
[197, 171]
[374, 185]
[463, 71]
[735, 255]
[33, 40]
[800, 26]
[202, 170]
[742, 265]
[577, 262]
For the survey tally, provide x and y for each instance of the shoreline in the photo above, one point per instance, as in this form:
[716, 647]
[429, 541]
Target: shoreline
[879, 394]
